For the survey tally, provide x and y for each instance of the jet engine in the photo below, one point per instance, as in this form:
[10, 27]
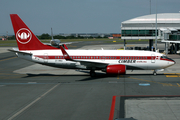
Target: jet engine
[55, 42]
[116, 69]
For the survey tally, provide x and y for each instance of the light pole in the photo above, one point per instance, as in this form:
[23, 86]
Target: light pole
[156, 29]
[150, 7]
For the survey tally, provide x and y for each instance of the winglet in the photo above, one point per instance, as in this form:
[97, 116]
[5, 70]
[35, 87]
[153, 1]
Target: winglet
[64, 45]
[65, 54]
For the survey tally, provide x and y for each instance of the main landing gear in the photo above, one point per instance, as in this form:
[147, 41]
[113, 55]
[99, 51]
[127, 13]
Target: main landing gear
[155, 73]
[92, 73]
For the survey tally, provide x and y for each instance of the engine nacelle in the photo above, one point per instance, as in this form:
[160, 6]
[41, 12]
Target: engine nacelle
[116, 69]
[55, 42]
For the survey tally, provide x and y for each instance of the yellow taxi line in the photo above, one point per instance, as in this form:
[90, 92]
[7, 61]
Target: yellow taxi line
[7, 59]
[178, 84]
[172, 74]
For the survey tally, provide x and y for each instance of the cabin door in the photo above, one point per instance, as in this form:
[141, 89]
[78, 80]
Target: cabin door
[153, 60]
[45, 57]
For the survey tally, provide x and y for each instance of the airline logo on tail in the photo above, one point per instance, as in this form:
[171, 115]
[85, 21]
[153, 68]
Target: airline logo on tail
[23, 35]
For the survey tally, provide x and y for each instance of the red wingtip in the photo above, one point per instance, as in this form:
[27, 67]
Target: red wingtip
[65, 47]
[25, 38]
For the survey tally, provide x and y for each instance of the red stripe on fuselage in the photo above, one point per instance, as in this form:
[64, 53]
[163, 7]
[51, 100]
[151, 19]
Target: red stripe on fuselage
[102, 57]
[106, 57]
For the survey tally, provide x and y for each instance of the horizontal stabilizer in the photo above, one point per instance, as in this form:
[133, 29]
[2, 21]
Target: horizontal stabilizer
[19, 51]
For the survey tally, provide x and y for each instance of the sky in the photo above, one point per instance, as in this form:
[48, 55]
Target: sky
[79, 16]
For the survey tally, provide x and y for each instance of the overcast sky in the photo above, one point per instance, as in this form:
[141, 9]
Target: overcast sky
[79, 16]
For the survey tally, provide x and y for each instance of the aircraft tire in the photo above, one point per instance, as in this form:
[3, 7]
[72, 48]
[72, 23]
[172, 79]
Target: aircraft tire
[154, 73]
[92, 73]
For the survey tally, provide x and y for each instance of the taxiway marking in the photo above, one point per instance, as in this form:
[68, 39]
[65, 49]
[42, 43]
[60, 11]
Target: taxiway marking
[172, 74]
[111, 115]
[7, 59]
[164, 84]
[33, 102]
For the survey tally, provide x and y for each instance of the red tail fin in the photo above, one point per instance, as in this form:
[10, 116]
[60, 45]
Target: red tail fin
[25, 38]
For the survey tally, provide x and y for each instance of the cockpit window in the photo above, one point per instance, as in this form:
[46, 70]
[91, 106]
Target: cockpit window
[164, 57]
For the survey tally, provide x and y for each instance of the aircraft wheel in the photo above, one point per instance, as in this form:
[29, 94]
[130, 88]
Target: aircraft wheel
[92, 73]
[154, 73]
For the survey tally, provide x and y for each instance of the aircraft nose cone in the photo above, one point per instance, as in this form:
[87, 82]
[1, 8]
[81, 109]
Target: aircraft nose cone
[174, 62]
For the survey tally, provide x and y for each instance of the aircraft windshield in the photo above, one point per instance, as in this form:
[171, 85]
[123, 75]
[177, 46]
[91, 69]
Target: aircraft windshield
[164, 57]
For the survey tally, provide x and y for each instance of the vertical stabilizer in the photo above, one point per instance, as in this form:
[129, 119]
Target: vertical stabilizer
[25, 38]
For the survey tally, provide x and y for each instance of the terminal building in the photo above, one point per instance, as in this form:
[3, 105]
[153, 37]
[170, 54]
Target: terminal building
[144, 27]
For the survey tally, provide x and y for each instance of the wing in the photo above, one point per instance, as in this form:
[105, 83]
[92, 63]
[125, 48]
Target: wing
[88, 64]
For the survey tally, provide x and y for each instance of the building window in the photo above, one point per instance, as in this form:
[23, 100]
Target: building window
[139, 32]
[142, 33]
[134, 32]
[174, 37]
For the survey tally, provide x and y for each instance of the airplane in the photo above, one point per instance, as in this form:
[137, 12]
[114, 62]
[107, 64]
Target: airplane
[57, 42]
[109, 61]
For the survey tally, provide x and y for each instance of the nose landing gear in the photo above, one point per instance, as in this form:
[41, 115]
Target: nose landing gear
[155, 73]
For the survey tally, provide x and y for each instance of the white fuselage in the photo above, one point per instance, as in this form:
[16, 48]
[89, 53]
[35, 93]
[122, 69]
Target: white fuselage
[133, 59]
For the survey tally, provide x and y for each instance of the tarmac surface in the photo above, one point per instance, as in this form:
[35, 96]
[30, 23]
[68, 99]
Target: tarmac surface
[34, 92]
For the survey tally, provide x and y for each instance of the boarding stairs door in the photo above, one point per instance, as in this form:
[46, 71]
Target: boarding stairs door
[45, 58]
[153, 60]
